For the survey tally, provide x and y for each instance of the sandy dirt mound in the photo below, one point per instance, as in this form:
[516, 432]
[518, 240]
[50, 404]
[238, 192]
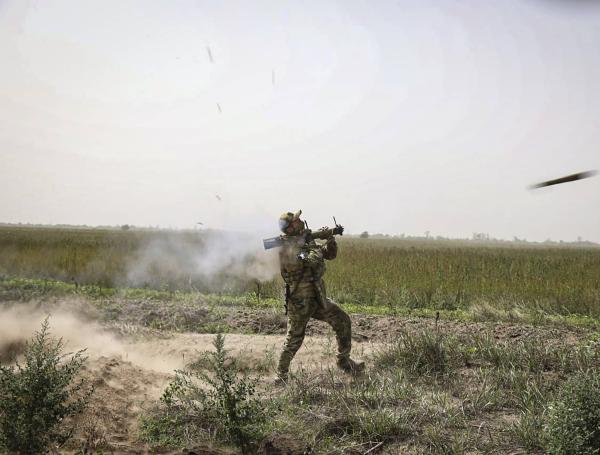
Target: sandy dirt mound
[134, 379]
[129, 381]
[129, 373]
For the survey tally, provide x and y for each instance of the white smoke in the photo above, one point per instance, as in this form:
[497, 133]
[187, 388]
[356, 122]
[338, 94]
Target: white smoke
[209, 256]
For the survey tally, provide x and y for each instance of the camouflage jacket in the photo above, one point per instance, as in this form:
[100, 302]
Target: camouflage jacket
[304, 275]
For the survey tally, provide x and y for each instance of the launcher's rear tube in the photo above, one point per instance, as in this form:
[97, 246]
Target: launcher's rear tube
[273, 242]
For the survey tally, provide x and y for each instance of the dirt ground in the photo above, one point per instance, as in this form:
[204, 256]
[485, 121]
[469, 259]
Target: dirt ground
[130, 365]
[131, 380]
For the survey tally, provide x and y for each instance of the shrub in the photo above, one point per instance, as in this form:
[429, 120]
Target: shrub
[574, 417]
[37, 398]
[166, 429]
[228, 408]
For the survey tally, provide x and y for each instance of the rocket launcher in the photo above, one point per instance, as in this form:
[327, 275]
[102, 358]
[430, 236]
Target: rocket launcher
[305, 237]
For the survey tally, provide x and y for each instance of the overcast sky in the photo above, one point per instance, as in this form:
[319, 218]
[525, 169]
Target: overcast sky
[395, 117]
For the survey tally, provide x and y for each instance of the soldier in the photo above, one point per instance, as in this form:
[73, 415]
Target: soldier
[302, 264]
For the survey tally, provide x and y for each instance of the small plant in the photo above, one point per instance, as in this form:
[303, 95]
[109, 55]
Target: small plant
[37, 398]
[94, 433]
[228, 409]
[527, 430]
[170, 428]
[574, 417]
[420, 354]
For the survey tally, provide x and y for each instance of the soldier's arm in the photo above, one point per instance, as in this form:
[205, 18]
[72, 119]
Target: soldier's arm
[330, 249]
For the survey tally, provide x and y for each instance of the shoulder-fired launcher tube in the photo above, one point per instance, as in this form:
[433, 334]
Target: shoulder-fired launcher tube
[324, 234]
[321, 234]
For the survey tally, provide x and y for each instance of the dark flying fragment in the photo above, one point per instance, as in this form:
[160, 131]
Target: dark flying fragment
[219, 107]
[568, 178]
[210, 57]
[218, 197]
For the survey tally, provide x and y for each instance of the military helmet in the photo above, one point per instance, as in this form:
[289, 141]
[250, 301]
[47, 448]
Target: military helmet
[286, 218]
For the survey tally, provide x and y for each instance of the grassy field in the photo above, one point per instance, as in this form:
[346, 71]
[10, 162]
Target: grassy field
[391, 273]
[466, 383]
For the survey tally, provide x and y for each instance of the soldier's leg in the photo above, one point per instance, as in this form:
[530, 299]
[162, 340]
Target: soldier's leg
[299, 314]
[340, 322]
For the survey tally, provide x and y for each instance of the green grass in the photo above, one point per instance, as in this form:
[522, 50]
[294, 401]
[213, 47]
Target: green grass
[383, 276]
[425, 392]
[435, 393]
[454, 275]
[111, 300]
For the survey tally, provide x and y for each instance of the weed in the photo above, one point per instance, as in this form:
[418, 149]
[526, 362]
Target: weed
[501, 282]
[419, 354]
[94, 433]
[38, 397]
[219, 402]
[214, 327]
[528, 429]
[168, 428]
[574, 417]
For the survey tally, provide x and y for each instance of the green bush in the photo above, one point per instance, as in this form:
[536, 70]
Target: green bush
[166, 429]
[574, 417]
[36, 399]
[228, 408]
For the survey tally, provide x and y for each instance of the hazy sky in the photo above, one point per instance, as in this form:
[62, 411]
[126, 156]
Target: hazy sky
[395, 117]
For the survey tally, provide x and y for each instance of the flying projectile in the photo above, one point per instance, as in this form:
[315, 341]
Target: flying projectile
[568, 178]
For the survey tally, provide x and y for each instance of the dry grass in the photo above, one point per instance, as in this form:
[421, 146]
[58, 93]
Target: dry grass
[499, 281]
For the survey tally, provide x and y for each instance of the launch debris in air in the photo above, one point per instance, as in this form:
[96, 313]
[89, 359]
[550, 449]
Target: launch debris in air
[568, 178]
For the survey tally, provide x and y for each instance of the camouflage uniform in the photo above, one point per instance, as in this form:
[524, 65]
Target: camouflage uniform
[307, 298]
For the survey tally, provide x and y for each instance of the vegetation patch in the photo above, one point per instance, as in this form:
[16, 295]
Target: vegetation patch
[500, 280]
[38, 398]
[574, 417]
[215, 404]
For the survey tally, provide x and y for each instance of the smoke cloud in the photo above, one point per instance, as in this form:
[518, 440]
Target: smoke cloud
[211, 259]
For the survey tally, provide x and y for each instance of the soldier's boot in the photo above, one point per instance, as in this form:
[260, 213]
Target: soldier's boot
[282, 375]
[281, 380]
[284, 367]
[348, 365]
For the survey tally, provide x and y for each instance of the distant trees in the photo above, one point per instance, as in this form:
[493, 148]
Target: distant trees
[364, 235]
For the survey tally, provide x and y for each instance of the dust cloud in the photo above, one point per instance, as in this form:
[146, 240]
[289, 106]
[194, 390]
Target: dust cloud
[18, 324]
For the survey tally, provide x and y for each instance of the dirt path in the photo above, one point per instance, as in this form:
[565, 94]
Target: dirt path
[130, 376]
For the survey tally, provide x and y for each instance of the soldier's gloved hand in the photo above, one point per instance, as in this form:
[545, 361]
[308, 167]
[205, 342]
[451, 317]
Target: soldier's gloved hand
[302, 256]
[339, 230]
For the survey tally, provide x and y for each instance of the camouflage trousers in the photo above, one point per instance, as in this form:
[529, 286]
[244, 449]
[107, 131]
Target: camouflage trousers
[299, 313]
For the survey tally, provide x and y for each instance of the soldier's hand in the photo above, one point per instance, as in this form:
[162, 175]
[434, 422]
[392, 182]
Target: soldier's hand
[302, 256]
[339, 230]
